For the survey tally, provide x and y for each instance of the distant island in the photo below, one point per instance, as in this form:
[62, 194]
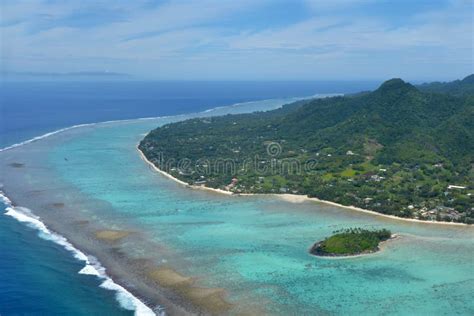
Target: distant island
[401, 150]
[351, 242]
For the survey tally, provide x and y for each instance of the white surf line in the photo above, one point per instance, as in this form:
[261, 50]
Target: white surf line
[92, 266]
[34, 139]
[24, 215]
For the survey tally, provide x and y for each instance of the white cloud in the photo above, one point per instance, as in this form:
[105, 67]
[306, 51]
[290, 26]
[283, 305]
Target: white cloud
[185, 38]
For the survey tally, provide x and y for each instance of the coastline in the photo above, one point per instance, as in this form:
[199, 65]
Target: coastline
[296, 198]
[92, 265]
[167, 175]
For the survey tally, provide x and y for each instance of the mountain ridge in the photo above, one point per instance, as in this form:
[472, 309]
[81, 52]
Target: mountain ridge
[423, 140]
[461, 87]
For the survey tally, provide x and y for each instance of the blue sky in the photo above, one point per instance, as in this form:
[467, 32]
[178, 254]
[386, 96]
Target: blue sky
[241, 39]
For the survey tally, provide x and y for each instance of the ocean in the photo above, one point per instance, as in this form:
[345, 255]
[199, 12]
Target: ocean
[38, 276]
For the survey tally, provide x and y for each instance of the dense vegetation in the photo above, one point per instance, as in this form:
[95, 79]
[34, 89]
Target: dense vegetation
[351, 242]
[396, 150]
[457, 87]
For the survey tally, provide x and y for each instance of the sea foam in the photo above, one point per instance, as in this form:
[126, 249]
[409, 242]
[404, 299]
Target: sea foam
[92, 265]
[34, 139]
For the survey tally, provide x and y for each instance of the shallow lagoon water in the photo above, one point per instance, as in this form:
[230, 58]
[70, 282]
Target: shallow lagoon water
[256, 248]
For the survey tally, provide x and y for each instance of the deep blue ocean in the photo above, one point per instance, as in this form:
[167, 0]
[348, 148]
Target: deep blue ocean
[40, 277]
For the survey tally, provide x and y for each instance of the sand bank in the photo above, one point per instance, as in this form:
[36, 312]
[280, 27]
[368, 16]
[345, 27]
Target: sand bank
[211, 300]
[111, 235]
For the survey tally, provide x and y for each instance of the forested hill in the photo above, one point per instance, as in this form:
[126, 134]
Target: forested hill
[395, 150]
[457, 87]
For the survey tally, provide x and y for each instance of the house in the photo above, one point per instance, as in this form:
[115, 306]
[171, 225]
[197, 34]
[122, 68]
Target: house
[455, 187]
[232, 183]
[376, 178]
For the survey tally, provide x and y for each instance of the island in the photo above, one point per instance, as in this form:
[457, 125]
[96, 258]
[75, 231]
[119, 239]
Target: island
[351, 242]
[400, 150]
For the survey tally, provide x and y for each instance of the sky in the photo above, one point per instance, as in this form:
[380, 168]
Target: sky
[239, 40]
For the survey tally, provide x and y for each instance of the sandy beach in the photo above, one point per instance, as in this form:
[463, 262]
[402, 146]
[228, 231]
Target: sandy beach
[295, 198]
[197, 187]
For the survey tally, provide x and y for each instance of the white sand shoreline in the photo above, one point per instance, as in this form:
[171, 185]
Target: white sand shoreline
[155, 168]
[295, 198]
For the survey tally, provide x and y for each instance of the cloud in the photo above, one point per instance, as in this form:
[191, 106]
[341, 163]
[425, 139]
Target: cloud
[216, 39]
[180, 20]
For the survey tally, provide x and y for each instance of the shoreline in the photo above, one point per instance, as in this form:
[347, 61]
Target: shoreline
[96, 268]
[296, 198]
[167, 175]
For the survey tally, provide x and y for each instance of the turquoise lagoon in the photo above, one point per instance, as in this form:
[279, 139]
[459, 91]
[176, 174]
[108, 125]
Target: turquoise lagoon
[254, 247]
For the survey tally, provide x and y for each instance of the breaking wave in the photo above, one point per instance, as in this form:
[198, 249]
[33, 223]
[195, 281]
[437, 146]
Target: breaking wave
[92, 266]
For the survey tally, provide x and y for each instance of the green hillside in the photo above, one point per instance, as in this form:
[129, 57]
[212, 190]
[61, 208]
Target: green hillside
[457, 87]
[396, 150]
